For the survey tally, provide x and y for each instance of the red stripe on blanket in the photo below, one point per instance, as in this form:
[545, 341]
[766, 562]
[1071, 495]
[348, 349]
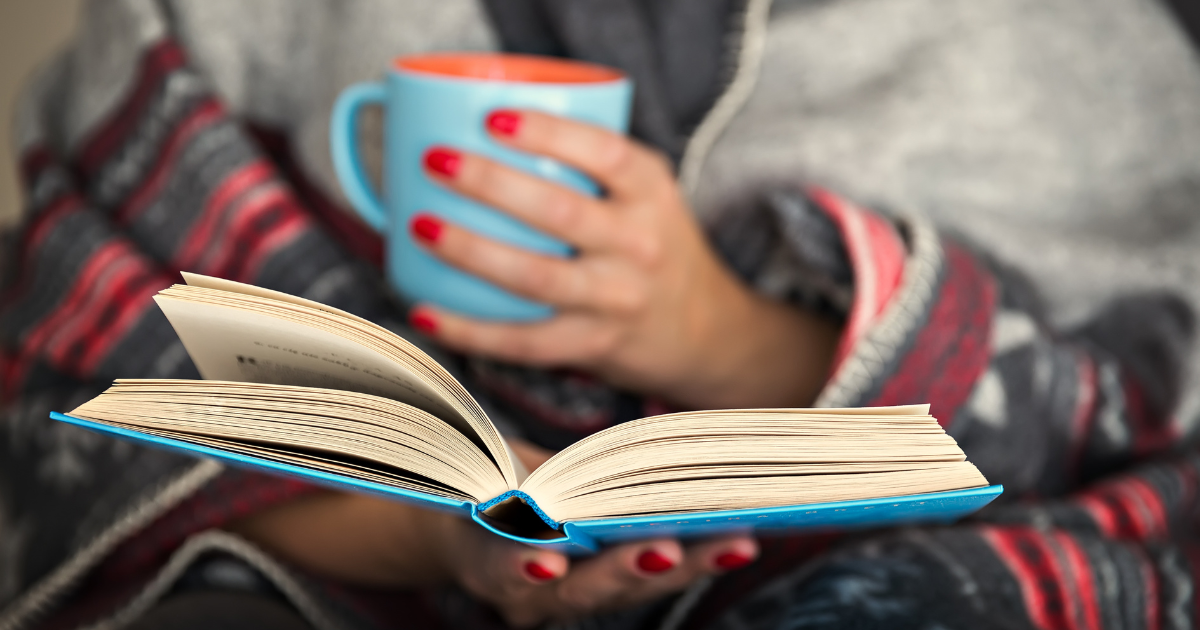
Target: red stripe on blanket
[1087, 609]
[1145, 508]
[34, 344]
[1150, 598]
[951, 351]
[202, 117]
[157, 62]
[106, 260]
[12, 376]
[111, 291]
[1101, 512]
[35, 233]
[1158, 523]
[1085, 408]
[1129, 508]
[1130, 511]
[45, 221]
[354, 235]
[217, 213]
[256, 216]
[94, 323]
[269, 240]
[1025, 552]
[130, 303]
[877, 255]
[265, 222]
[1153, 430]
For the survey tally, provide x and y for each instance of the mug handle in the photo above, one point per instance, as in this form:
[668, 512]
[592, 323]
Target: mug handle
[343, 141]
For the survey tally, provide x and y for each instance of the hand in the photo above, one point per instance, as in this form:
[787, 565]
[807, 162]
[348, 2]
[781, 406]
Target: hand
[382, 543]
[645, 303]
[529, 586]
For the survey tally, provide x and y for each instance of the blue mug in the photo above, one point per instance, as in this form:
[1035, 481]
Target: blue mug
[444, 99]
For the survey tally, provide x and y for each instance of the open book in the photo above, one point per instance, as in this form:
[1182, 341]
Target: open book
[307, 390]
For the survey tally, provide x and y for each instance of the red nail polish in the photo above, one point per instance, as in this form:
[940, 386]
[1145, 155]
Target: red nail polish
[731, 561]
[654, 562]
[538, 572]
[443, 161]
[423, 322]
[426, 228]
[504, 122]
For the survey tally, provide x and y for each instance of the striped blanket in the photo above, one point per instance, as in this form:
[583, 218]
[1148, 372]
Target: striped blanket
[135, 168]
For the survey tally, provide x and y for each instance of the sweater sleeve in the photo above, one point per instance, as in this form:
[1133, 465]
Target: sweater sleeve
[931, 319]
[165, 179]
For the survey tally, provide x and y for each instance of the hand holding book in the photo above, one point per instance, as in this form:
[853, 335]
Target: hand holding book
[385, 544]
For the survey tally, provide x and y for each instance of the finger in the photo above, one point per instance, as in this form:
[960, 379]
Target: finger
[543, 278]
[508, 569]
[722, 554]
[561, 212]
[564, 340]
[530, 573]
[623, 167]
[536, 566]
[622, 575]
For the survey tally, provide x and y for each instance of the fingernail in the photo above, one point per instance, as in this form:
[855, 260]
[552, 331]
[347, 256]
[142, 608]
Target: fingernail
[730, 561]
[426, 228]
[538, 572]
[654, 562]
[423, 322]
[504, 122]
[443, 161]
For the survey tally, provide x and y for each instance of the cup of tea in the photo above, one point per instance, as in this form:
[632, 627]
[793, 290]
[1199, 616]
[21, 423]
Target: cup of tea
[444, 99]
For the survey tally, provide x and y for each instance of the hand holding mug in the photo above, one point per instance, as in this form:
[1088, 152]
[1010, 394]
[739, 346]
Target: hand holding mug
[442, 99]
[644, 302]
[496, 231]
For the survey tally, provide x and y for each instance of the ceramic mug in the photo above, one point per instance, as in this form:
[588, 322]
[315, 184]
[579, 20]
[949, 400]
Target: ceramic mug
[444, 99]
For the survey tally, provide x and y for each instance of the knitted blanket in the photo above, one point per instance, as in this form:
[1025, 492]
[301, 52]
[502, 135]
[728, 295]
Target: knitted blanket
[136, 167]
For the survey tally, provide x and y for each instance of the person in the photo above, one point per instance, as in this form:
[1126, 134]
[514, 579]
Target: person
[1051, 333]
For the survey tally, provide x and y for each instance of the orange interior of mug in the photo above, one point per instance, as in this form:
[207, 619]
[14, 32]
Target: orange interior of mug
[508, 67]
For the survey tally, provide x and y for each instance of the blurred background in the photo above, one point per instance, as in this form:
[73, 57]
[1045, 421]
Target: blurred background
[30, 32]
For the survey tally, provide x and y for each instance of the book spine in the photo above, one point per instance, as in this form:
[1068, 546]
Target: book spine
[570, 540]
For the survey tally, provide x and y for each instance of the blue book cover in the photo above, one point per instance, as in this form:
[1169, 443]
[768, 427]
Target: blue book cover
[296, 388]
[588, 536]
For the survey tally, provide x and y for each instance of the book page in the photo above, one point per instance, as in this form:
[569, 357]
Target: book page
[349, 353]
[321, 429]
[229, 344]
[220, 284]
[750, 458]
